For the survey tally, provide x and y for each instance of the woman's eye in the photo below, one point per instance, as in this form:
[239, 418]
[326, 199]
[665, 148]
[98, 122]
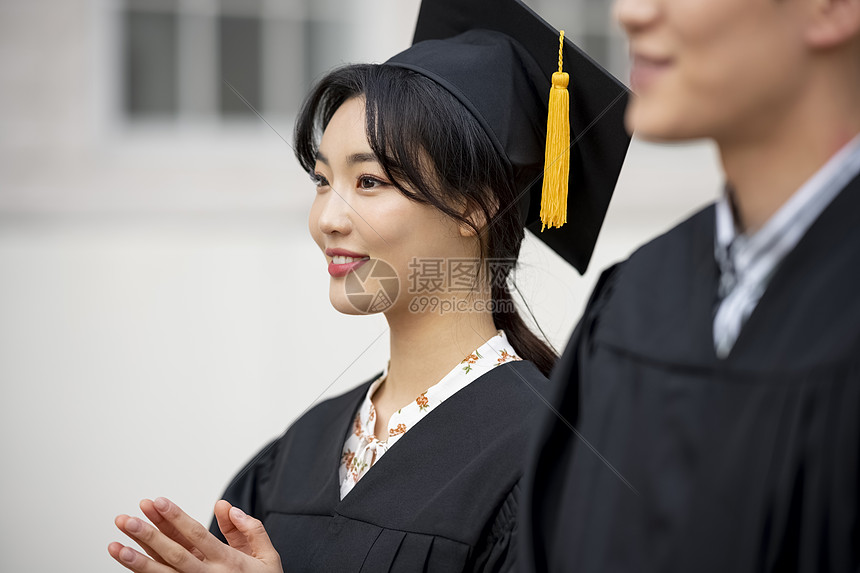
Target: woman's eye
[366, 182]
[319, 180]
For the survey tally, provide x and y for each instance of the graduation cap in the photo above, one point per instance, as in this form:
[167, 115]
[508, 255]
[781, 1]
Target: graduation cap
[501, 61]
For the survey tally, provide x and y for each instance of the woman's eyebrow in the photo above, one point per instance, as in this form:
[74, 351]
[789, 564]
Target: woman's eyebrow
[352, 159]
[361, 158]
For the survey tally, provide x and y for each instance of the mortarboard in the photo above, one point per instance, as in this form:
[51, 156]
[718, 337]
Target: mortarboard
[498, 57]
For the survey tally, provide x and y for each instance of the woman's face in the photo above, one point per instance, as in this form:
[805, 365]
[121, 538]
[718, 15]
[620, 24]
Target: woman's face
[723, 69]
[369, 232]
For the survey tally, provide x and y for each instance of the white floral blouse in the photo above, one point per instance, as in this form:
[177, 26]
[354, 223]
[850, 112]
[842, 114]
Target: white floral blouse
[363, 449]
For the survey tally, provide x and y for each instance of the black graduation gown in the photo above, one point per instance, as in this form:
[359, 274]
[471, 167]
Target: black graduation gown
[443, 498]
[744, 464]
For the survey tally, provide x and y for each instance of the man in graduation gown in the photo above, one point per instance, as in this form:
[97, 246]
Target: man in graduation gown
[710, 413]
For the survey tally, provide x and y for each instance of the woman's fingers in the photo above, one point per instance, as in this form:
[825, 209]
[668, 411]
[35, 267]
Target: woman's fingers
[178, 543]
[120, 522]
[133, 560]
[258, 540]
[148, 508]
[234, 537]
[170, 552]
[193, 531]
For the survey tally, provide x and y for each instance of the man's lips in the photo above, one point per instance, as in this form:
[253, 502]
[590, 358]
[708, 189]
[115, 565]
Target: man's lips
[646, 69]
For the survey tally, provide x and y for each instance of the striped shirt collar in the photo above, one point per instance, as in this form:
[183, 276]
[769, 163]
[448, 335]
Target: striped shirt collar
[748, 261]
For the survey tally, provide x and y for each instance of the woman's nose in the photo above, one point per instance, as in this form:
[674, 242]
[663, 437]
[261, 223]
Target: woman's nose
[334, 215]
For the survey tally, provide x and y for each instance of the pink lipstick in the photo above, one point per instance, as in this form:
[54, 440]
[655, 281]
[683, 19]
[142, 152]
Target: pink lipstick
[344, 261]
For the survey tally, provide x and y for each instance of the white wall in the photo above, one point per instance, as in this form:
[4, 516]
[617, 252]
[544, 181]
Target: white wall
[163, 312]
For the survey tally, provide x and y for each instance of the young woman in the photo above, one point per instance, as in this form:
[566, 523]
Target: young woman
[420, 215]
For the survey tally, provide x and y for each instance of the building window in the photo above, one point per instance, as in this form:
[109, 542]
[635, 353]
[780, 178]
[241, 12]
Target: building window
[588, 23]
[151, 87]
[240, 54]
[210, 60]
[595, 37]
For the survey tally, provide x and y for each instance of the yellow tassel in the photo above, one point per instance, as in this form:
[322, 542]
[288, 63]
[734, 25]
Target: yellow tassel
[553, 203]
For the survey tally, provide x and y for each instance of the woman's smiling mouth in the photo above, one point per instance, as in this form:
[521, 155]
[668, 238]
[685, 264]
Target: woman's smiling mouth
[343, 261]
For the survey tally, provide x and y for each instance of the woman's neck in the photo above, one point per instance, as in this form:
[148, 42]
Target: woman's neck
[424, 348]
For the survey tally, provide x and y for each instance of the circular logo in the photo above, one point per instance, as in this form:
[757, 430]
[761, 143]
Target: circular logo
[372, 287]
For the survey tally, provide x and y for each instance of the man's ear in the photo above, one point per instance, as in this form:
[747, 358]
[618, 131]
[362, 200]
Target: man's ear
[833, 23]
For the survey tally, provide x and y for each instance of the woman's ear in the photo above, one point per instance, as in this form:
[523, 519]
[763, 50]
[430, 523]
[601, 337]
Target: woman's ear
[476, 221]
[476, 215]
[833, 23]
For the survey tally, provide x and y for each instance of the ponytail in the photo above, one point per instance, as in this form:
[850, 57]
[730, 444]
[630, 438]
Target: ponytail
[526, 343]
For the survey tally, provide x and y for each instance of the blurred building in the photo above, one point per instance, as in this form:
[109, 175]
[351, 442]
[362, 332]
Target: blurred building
[163, 312]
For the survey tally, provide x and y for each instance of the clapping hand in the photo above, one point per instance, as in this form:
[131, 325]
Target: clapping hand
[177, 543]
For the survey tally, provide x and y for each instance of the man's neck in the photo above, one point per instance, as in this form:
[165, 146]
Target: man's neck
[767, 167]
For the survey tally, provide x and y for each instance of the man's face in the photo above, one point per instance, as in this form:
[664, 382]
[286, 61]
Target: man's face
[722, 69]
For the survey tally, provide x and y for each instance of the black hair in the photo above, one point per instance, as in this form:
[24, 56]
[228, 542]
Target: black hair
[413, 121]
